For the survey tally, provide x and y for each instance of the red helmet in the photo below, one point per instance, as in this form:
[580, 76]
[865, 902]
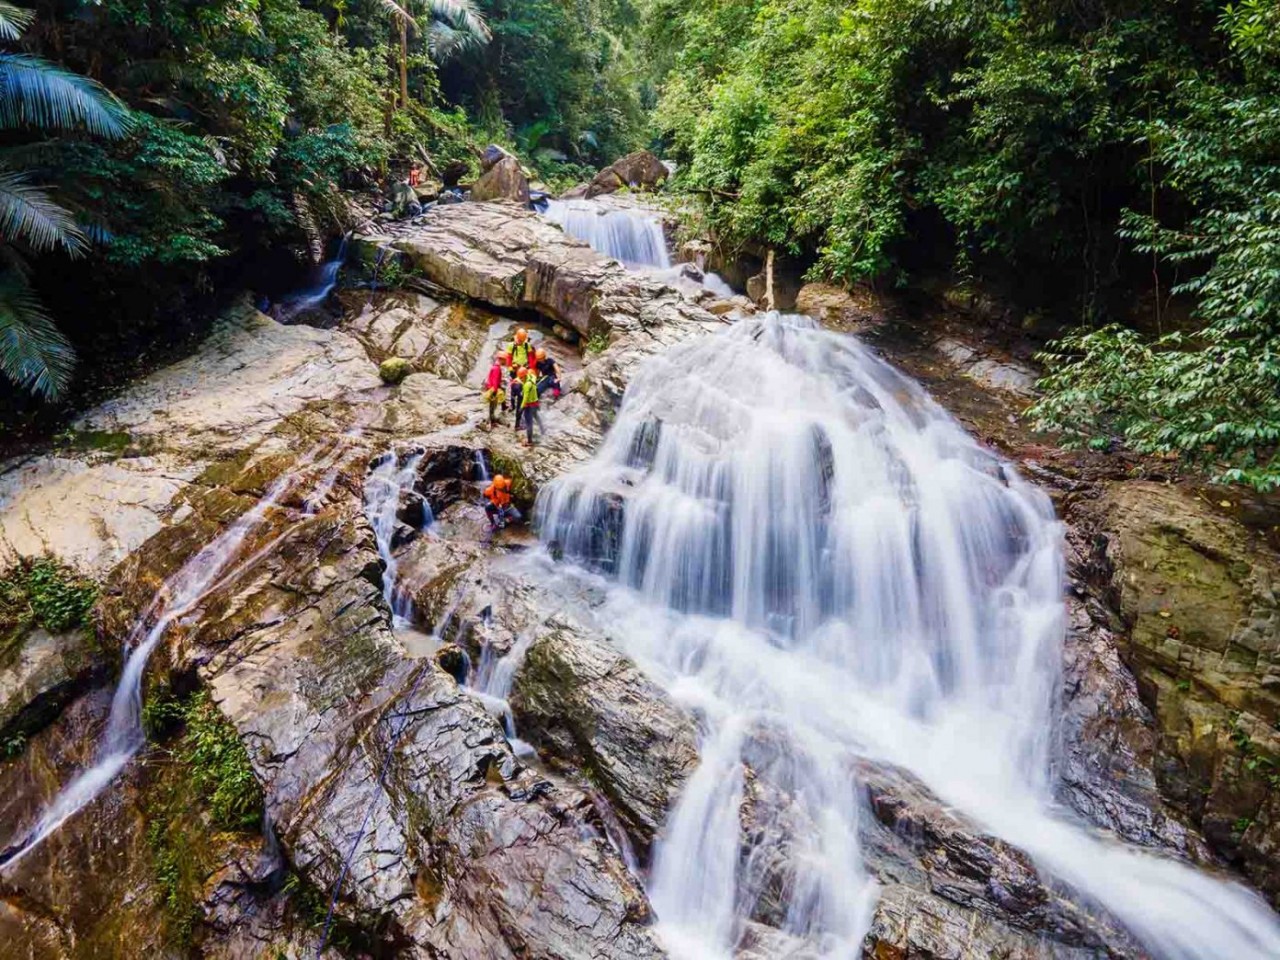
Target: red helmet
[504, 358]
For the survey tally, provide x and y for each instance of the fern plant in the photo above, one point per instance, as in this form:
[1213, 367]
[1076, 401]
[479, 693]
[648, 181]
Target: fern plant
[454, 26]
[38, 96]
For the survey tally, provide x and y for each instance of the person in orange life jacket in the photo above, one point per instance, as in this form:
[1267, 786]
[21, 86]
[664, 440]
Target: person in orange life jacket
[494, 391]
[498, 506]
[517, 392]
[548, 375]
[529, 405]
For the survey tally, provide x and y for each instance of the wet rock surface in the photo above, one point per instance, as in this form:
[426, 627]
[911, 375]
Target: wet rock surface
[369, 751]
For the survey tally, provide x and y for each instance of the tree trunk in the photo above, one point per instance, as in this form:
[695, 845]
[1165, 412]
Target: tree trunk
[404, 63]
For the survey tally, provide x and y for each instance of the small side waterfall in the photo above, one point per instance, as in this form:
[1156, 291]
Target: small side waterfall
[816, 560]
[385, 490]
[634, 237]
[317, 291]
[182, 593]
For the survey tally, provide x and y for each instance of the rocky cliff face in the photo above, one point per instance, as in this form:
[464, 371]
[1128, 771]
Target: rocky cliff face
[389, 787]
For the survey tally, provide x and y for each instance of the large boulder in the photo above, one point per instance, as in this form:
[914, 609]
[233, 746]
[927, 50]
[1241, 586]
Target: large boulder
[510, 258]
[846, 311]
[1197, 593]
[505, 180]
[637, 171]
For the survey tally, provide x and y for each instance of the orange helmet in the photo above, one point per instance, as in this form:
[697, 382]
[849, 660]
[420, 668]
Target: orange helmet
[522, 335]
[501, 482]
[540, 354]
[504, 358]
[522, 373]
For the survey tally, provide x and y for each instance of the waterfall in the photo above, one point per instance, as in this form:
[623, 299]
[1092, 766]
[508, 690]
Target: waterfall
[816, 560]
[632, 236]
[316, 292]
[181, 593]
[384, 492]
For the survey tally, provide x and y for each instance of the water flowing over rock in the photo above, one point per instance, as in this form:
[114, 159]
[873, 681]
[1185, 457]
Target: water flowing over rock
[792, 561]
[790, 652]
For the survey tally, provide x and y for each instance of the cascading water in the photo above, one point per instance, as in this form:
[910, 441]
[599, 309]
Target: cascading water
[813, 557]
[317, 291]
[632, 236]
[635, 237]
[179, 596]
[384, 491]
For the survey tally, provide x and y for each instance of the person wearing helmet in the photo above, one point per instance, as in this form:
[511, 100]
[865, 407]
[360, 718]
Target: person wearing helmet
[494, 392]
[521, 349]
[518, 375]
[529, 405]
[498, 505]
[548, 374]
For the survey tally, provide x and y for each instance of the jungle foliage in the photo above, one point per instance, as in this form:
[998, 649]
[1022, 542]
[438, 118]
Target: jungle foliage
[177, 145]
[1102, 155]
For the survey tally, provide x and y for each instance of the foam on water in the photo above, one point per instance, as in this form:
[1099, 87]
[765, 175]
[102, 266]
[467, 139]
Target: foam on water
[812, 556]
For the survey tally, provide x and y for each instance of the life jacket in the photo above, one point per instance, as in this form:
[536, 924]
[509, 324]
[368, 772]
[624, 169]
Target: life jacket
[499, 498]
[520, 354]
[529, 397]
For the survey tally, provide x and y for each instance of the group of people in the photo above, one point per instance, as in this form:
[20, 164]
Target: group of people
[521, 376]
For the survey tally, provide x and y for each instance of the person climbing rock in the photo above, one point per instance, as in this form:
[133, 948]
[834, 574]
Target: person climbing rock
[498, 507]
[548, 375]
[520, 349]
[494, 391]
[529, 405]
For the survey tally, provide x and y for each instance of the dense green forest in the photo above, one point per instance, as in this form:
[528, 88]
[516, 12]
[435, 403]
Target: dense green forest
[1113, 163]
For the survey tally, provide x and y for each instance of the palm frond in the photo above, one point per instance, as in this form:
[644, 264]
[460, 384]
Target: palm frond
[398, 11]
[444, 42]
[461, 15]
[29, 216]
[36, 93]
[14, 20]
[34, 354]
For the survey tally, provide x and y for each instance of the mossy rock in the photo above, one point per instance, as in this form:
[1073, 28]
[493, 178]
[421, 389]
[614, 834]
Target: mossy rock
[523, 490]
[394, 369]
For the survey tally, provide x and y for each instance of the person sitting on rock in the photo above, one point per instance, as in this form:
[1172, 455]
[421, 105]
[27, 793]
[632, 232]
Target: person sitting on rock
[548, 374]
[529, 405]
[498, 506]
[494, 391]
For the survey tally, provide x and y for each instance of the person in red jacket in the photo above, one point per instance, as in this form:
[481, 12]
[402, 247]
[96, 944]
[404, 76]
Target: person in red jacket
[494, 390]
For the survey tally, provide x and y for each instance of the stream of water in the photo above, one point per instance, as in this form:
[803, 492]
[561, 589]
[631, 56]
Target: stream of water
[209, 568]
[817, 561]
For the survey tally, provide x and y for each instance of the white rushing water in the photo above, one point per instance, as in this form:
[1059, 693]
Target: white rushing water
[391, 478]
[812, 556]
[635, 237]
[632, 236]
[181, 594]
